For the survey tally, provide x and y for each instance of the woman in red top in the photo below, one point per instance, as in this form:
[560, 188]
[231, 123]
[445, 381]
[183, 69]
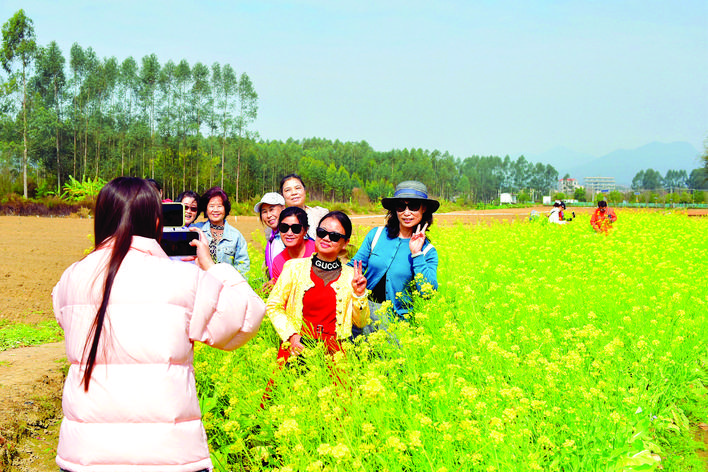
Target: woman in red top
[317, 299]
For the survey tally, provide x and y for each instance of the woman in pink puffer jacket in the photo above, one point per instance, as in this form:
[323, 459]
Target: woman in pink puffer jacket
[130, 317]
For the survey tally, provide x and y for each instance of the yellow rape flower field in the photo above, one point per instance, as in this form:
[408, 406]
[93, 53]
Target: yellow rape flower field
[545, 348]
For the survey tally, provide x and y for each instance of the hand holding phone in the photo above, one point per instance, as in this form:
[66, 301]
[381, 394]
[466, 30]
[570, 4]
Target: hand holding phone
[203, 257]
[179, 243]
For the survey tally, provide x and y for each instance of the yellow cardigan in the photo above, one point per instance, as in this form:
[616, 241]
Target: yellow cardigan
[284, 305]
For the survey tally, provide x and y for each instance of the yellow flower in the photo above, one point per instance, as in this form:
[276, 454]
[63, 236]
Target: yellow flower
[469, 393]
[425, 421]
[324, 449]
[373, 388]
[414, 438]
[368, 429]
[340, 451]
[288, 427]
[395, 443]
[315, 466]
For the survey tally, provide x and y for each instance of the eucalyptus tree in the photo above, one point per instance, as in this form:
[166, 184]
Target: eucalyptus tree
[538, 180]
[183, 80]
[19, 45]
[675, 178]
[446, 174]
[698, 178]
[76, 63]
[88, 88]
[551, 176]
[521, 173]
[166, 116]
[104, 77]
[127, 93]
[201, 107]
[226, 94]
[213, 117]
[49, 81]
[248, 111]
[149, 77]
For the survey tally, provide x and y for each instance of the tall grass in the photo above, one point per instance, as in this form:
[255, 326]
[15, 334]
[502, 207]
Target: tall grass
[546, 348]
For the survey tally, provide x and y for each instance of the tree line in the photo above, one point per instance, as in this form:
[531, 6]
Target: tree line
[188, 126]
[651, 179]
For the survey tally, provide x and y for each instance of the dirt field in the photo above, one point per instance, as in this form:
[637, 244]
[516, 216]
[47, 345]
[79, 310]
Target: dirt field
[33, 254]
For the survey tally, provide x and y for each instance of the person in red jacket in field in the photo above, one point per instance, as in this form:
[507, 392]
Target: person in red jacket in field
[603, 217]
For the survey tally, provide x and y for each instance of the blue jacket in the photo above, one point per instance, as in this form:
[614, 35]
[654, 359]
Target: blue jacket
[393, 258]
[232, 248]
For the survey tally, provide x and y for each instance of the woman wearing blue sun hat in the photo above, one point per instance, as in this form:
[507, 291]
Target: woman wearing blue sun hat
[399, 253]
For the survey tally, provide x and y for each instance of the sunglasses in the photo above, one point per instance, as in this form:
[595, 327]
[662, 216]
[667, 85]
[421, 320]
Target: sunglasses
[412, 206]
[194, 209]
[284, 228]
[333, 235]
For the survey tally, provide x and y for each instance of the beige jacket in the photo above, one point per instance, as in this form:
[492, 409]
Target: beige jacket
[284, 305]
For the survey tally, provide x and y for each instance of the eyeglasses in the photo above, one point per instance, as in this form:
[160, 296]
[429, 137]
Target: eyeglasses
[194, 209]
[333, 235]
[284, 228]
[412, 206]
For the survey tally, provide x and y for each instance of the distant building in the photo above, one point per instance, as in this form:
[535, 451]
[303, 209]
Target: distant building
[567, 186]
[594, 185]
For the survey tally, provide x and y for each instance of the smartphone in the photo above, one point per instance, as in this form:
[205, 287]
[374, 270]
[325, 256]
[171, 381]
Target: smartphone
[172, 214]
[176, 243]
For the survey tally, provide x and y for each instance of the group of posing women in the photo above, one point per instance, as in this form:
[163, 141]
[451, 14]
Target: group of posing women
[131, 315]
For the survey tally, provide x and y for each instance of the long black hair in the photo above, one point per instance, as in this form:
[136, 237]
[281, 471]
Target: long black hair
[393, 226]
[126, 207]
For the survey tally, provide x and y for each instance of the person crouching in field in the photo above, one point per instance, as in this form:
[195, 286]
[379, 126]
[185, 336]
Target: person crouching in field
[556, 212]
[317, 299]
[130, 317]
[399, 257]
[603, 217]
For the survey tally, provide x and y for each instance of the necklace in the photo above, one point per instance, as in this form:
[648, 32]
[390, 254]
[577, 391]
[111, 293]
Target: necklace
[326, 265]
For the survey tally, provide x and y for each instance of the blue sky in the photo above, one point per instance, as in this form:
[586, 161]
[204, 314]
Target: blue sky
[468, 77]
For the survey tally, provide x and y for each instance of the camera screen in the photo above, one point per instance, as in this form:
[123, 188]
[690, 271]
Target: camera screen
[172, 214]
[176, 243]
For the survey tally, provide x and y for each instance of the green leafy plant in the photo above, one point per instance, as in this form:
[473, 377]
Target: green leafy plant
[75, 190]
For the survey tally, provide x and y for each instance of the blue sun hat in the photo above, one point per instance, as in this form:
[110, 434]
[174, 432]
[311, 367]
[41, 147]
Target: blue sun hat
[411, 190]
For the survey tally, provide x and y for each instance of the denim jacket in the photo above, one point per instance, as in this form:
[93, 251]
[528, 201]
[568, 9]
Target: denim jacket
[232, 248]
[392, 257]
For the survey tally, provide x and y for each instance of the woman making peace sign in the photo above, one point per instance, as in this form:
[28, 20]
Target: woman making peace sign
[317, 299]
[395, 255]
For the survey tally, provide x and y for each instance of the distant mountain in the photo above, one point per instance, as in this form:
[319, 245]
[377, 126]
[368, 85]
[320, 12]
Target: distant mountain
[562, 159]
[623, 164]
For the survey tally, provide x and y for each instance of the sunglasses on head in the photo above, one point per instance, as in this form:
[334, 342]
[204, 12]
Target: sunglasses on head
[333, 235]
[296, 228]
[412, 206]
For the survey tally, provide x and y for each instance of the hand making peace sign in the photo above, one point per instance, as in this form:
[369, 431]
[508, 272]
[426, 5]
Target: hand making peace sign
[358, 281]
[417, 239]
